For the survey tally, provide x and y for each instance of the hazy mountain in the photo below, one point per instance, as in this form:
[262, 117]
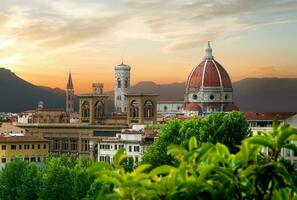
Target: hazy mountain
[250, 94]
[19, 95]
[266, 94]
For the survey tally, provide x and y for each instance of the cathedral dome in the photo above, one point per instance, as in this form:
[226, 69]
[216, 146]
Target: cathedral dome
[209, 73]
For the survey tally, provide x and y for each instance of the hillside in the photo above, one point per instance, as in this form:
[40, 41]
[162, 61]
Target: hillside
[19, 95]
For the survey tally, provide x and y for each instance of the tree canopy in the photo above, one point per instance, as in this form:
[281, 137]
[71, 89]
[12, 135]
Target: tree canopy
[227, 128]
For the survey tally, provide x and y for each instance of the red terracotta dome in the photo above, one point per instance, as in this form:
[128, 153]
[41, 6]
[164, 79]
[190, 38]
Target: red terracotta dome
[192, 107]
[209, 73]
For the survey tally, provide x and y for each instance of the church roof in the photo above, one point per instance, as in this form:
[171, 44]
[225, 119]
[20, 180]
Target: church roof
[209, 73]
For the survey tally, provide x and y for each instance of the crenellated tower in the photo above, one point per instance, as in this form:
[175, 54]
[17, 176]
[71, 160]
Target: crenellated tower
[69, 95]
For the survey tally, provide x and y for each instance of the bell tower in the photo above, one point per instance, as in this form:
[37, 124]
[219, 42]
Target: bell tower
[69, 95]
[122, 86]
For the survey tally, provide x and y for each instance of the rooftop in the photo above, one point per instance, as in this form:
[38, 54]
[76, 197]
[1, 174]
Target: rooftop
[250, 116]
[25, 138]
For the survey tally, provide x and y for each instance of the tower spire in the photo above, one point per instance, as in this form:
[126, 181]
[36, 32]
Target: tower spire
[69, 95]
[208, 51]
[69, 82]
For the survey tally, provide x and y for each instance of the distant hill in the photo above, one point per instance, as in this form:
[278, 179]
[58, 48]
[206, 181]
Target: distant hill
[266, 94]
[250, 94]
[19, 95]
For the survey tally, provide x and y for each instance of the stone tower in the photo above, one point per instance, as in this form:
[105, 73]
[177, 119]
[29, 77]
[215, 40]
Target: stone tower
[122, 86]
[69, 95]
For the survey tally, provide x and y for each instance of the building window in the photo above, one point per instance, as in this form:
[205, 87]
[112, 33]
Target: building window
[20, 147]
[38, 146]
[134, 110]
[136, 159]
[136, 148]
[226, 97]
[73, 145]
[130, 148]
[56, 144]
[85, 109]
[3, 147]
[211, 97]
[3, 160]
[194, 96]
[33, 146]
[13, 147]
[126, 83]
[148, 109]
[178, 108]
[38, 159]
[107, 159]
[119, 83]
[165, 108]
[85, 145]
[44, 146]
[101, 158]
[99, 109]
[115, 146]
[26, 159]
[26, 146]
[64, 144]
[33, 159]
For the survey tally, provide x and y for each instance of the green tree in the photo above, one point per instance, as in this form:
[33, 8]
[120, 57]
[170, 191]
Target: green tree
[65, 178]
[19, 180]
[157, 152]
[227, 128]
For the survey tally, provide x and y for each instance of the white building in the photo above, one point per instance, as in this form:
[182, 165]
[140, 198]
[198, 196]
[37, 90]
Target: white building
[26, 117]
[122, 86]
[135, 142]
[170, 108]
[260, 122]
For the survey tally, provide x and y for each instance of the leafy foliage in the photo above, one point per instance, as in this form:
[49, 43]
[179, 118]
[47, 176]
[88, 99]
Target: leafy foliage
[19, 180]
[207, 171]
[227, 128]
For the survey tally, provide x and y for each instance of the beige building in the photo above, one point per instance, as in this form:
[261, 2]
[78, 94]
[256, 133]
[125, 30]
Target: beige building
[26, 147]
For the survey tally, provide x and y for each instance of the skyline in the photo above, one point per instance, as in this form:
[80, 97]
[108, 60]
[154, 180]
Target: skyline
[41, 41]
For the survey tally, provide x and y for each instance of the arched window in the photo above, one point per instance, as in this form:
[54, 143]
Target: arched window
[126, 83]
[99, 109]
[148, 109]
[85, 110]
[119, 83]
[134, 109]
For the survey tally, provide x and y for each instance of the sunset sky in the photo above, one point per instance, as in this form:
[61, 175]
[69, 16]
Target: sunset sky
[162, 40]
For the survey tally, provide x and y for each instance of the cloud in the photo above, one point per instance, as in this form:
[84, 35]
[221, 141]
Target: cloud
[178, 24]
[184, 24]
[3, 19]
[274, 71]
